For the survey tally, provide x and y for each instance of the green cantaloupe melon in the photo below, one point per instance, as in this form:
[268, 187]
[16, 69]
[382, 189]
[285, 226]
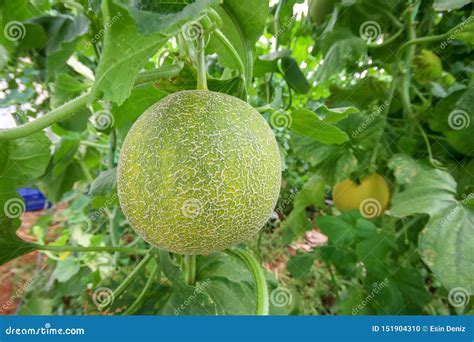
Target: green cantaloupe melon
[198, 172]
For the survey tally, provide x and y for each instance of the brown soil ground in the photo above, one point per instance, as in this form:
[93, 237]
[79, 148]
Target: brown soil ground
[16, 274]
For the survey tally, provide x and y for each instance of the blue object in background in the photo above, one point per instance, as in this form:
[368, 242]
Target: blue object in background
[34, 199]
[237, 328]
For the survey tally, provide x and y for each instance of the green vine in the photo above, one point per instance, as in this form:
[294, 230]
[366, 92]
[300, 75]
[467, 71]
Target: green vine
[90, 249]
[73, 106]
[262, 305]
[190, 269]
[141, 297]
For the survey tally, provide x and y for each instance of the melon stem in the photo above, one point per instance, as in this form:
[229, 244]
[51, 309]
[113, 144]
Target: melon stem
[190, 269]
[201, 63]
[261, 289]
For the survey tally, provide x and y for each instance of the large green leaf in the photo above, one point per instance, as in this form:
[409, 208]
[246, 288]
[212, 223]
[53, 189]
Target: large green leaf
[454, 117]
[294, 76]
[319, 127]
[11, 246]
[62, 32]
[340, 48]
[446, 242]
[62, 171]
[448, 5]
[105, 183]
[243, 23]
[405, 168]
[224, 286]
[24, 158]
[65, 88]
[139, 100]
[353, 243]
[126, 50]
[334, 162]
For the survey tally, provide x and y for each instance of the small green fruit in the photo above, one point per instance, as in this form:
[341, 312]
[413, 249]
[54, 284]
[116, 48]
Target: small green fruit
[199, 172]
[427, 67]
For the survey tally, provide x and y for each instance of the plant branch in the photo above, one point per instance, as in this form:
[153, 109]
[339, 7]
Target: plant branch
[201, 63]
[389, 15]
[73, 106]
[52, 248]
[406, 68]
[190, 269]
[388, 41]
[130, 277]
[262, 306]
[430, 39]
[139, 301]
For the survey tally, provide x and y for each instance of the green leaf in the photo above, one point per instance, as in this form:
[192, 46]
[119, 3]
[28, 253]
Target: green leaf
[448, 5]
[139, 100]
[446, 242]
[223, 287]
[352, 238]
[243, 24]
[187, 79]
[24, 158]
[362, 94]
[341, 48]
[297, 222]
[62, 171]
[401, 291]
[105, 183]
[65, 88]
[35, 305]
[299, 265]
[334, 115]
[14, 12]
[293, 75]
[125, 48]
[334, 163]
[404, 168]
[11, 246]
[308, 123]
[454, 117]
[66, 269]
[63, 32]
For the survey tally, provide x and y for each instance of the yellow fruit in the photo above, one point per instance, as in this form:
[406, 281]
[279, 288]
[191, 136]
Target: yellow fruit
[370, 197]
[199, 172]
